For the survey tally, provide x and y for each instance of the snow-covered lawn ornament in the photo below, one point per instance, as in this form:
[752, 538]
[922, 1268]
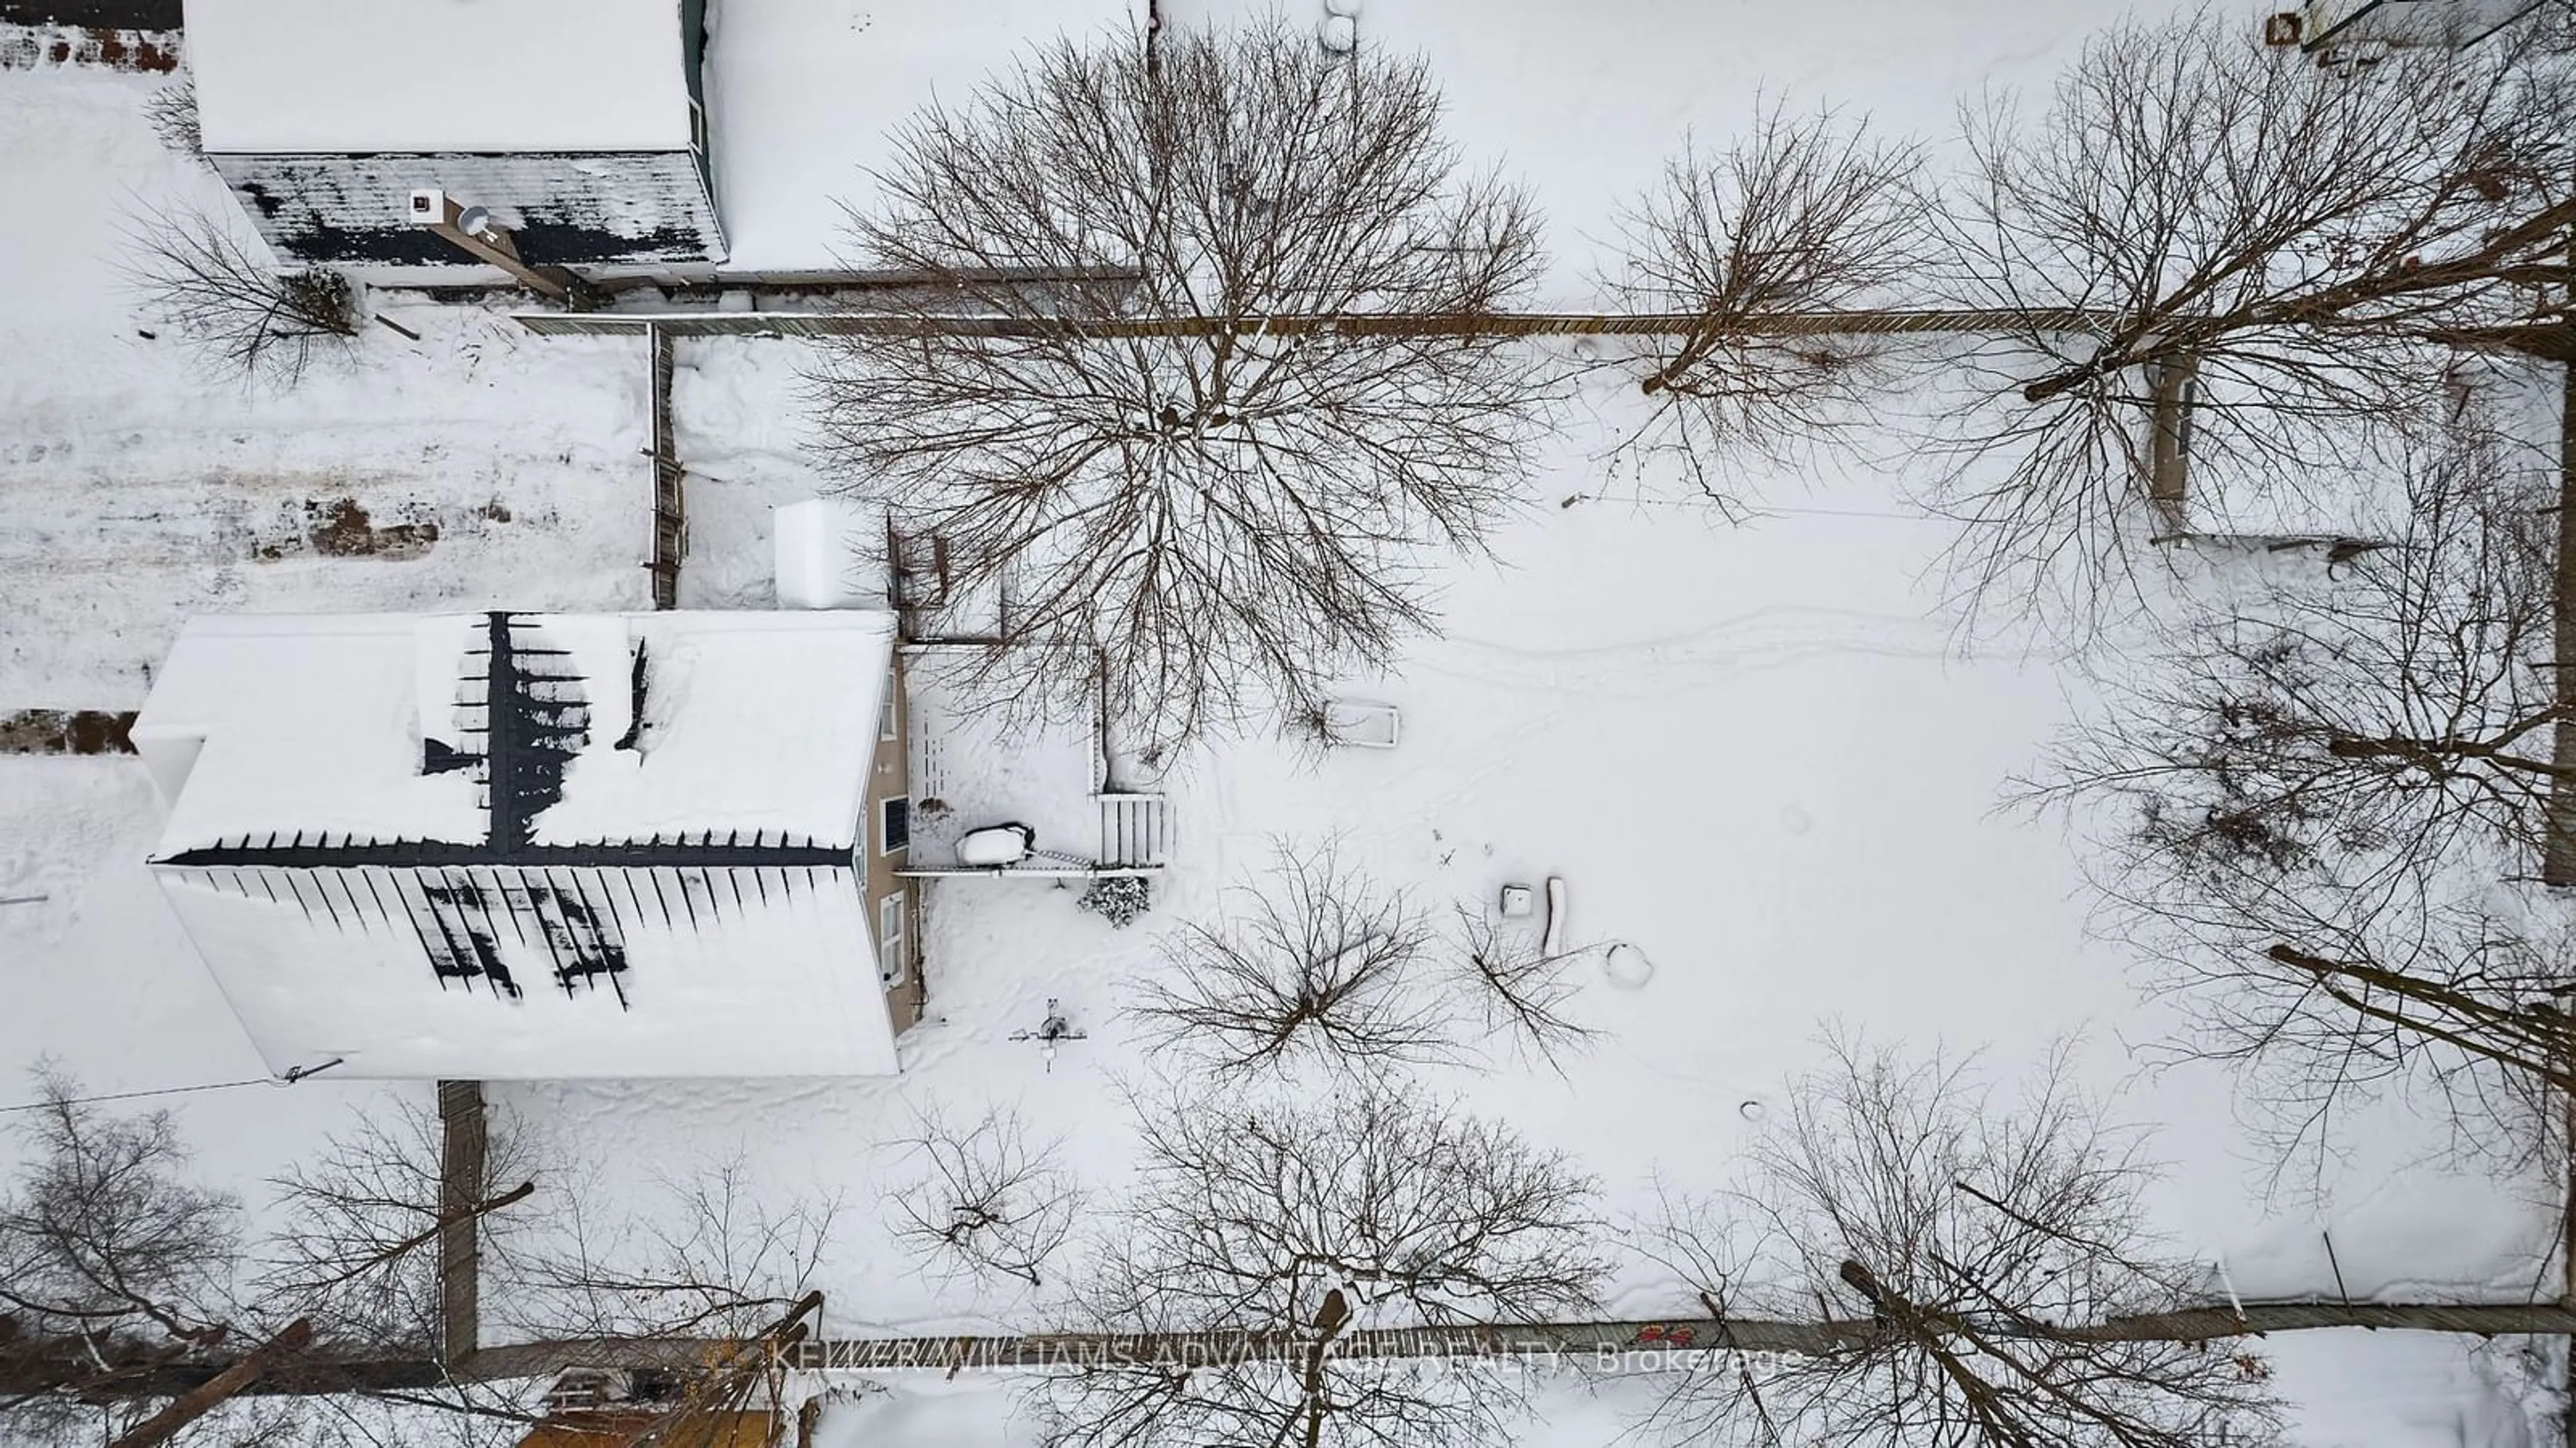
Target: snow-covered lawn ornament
[1118, 899]
[1052, 1032]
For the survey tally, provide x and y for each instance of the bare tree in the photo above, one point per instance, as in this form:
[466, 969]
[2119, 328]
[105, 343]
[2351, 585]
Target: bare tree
[1963, 1241]
[2309, 794]
[1210, 521]
[295, 1420]
[1304, 1221]
[1523, 991]
[987, 1204]
[703, 1257]
[118, 1288]
[101, 1235]
[362, 1221]
[251, 319]
[111, 1261]
[172, 112]
[2285, 253]
[1316, 964]
[2330, 990]
[2391, 704]
[1805, 214]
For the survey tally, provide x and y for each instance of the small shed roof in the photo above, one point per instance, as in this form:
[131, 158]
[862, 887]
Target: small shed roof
[344, 76]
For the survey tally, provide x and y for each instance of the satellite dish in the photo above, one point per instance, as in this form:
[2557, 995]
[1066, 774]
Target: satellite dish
[474, 220]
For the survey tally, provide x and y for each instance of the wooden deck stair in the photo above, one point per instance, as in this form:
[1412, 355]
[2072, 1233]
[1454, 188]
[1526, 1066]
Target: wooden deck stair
[1135, 831]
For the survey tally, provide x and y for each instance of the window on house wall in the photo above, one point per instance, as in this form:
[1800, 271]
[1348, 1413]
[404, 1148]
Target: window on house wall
[894, 824]
[891, 955]
[889, 725]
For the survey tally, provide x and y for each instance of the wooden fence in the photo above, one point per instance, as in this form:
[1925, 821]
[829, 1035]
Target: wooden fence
[1610, 1344]
[670, 504]
[1373, 324]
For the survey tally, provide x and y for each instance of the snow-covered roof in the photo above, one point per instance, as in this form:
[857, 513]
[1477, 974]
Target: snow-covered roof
[755, 724]
[438, 75]
[783, 984]
[288, 725]
[802, 96]
[531, 845]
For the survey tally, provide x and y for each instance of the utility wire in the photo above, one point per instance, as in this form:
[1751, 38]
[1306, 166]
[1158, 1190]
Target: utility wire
[289, 1079]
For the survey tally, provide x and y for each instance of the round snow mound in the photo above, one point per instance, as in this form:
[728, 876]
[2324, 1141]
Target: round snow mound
[1796, 821]
[1341, 7]
[1338, 34]
[1627, 967]
[1752, 1110]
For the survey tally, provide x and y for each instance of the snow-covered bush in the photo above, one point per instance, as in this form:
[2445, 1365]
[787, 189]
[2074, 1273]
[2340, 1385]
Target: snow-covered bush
[1522, 990]
[1118, 899]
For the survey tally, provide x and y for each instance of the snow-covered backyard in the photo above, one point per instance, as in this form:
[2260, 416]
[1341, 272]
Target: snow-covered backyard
[1764, 760]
